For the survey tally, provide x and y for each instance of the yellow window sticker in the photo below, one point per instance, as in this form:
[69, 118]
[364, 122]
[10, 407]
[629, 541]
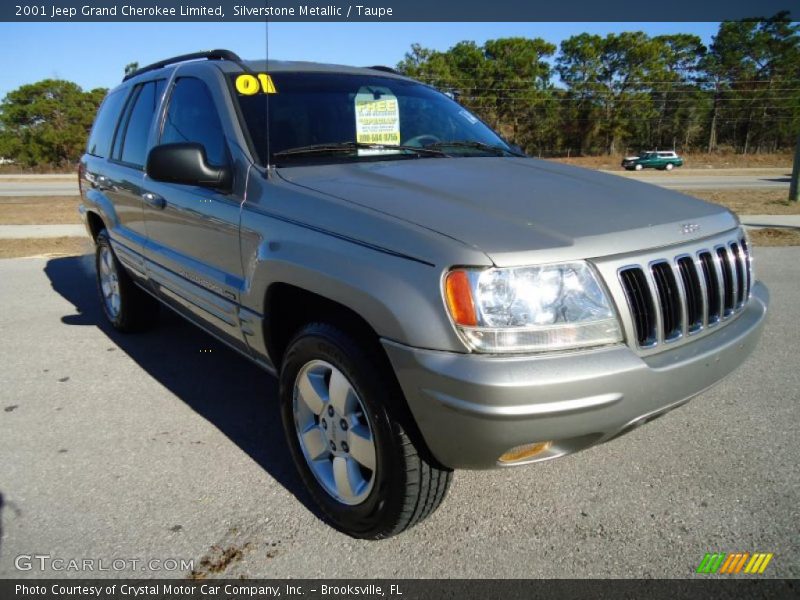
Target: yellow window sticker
[377, 117]
[250, 84]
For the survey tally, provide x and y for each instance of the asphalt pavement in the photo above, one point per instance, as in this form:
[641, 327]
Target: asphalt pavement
[166, 445]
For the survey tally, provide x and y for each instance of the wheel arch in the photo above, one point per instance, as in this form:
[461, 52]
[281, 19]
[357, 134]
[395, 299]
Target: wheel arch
[95, 223]
[288, 307]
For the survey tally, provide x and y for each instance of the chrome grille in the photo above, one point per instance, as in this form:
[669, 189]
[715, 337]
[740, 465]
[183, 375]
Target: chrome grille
[672, 297]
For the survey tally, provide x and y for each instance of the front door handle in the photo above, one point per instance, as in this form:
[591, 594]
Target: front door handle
[154, 200]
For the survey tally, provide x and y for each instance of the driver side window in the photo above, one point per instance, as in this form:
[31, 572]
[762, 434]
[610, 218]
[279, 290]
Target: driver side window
[192, 117]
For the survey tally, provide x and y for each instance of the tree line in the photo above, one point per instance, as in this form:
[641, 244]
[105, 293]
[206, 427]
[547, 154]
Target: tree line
[47, 123]
[630, 91]
[592, 95]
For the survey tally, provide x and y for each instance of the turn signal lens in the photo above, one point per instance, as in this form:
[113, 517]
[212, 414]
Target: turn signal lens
[459, 298]
[518, 453]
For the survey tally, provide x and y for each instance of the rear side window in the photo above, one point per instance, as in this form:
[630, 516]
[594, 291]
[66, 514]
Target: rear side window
[192, 117]
[104, 124]
[130, 145]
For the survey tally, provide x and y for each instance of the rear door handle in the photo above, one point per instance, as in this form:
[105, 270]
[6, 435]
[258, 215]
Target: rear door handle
[154, 200]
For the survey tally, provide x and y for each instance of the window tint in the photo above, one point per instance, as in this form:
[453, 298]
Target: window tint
[140, 117]
[192, 117]
[104, 124]
[320, 108]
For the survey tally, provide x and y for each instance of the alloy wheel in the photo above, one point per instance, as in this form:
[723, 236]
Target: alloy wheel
[109, 282]
[334, 432]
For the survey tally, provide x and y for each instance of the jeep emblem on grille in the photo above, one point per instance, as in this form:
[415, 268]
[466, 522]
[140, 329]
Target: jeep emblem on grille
[688, 228]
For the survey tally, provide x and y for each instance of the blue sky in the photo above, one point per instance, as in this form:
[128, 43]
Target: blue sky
[94, 54]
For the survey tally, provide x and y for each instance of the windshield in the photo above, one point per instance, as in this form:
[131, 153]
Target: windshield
[334, 117]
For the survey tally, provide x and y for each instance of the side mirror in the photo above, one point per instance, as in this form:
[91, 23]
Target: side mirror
[186, 164]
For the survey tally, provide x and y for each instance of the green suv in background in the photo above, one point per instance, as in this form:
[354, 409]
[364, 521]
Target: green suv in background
[666, 160]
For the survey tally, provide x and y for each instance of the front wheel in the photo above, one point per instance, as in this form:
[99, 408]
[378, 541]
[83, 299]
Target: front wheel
[343, 419]
[638, 167]
[669, 167]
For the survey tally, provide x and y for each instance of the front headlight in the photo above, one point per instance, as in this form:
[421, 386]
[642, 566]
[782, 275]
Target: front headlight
[531, 309]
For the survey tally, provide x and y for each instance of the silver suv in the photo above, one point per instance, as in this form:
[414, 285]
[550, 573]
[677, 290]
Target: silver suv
[428, 297]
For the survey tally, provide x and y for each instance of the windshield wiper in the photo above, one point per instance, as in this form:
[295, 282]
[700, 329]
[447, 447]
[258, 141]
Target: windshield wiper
[342, 147]
[496, 150]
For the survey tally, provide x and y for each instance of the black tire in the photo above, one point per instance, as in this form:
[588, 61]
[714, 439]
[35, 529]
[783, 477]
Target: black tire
[137, 309]
[407, 486]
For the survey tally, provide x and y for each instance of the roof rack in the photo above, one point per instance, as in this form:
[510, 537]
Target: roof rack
[385, 69]
[207, 54]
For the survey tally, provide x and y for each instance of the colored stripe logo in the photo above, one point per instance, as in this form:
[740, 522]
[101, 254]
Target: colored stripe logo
[733, 563]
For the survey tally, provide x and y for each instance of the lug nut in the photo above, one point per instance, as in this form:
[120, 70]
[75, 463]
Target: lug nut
[324, 424]
[330, 411]
[345, 447]
[333, 446]
[343, 424]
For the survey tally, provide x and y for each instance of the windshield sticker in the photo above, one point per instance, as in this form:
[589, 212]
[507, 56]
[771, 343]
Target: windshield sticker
[251, 84]
[377, 118]
[468, 116]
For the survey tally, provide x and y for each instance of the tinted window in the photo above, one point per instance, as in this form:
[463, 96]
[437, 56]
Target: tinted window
[192, 117]
[321, 108]
[140, 117]
[106, 121]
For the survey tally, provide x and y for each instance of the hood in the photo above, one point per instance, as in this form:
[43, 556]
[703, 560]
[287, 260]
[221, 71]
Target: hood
[520, 210]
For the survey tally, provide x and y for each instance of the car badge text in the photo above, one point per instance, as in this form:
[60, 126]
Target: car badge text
[688, 228]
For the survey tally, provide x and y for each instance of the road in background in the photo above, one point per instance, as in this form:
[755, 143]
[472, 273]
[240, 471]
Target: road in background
[168, 445]
[714, 182]
[38, 188]
[66, 185]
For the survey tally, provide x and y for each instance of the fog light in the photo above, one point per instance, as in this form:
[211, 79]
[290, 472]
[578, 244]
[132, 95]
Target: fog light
[518, 453]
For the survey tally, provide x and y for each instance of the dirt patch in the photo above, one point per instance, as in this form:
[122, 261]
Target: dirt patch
[693, 161]
[43, 170]
[217, 560]
[39, 210]
[750, 202]
[773, 236]
[60, 246]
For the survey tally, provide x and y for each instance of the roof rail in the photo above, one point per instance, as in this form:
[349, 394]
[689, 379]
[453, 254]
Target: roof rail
[207, 54]
[385, 69]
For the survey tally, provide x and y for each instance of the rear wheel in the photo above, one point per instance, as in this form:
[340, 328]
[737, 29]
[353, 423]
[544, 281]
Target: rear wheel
[127, 307]
[340, 412]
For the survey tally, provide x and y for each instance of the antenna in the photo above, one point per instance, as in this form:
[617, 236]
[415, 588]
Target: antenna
[266, 96]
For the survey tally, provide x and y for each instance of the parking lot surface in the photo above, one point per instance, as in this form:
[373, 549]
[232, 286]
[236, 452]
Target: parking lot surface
[166, 445]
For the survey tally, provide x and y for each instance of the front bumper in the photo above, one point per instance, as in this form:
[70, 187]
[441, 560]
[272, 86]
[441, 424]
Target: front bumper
[472, 408]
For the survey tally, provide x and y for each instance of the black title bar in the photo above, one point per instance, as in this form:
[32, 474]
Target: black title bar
[400, 589]
[391, 10]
